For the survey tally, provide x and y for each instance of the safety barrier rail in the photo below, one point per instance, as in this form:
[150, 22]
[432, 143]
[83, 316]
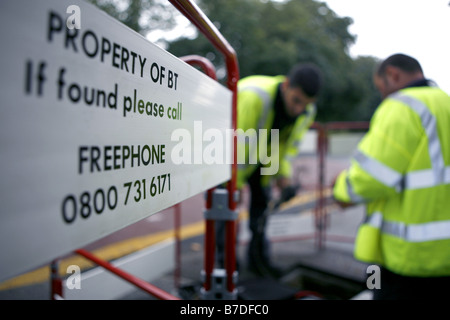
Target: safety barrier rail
[320, 214]
[205, 26]
[198, 18]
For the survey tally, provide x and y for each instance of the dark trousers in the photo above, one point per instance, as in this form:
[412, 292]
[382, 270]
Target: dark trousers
[258, 248]
[397, 287]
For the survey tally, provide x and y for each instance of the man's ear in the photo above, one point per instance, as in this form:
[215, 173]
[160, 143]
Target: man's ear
[285, 84]
[393, 73]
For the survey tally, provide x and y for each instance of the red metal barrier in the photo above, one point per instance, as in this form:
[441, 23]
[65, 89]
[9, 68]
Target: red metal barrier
[320, 213]
[56, 281]
[322, 149]
[203, 63]
[201, 21]
[210, 243]
[177, 223]
[158, 293]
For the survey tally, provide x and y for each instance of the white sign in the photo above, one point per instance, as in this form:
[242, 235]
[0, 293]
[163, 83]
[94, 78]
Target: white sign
[96, 127]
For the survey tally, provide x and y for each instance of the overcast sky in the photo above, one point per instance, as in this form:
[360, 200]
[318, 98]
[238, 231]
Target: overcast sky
[420, 28]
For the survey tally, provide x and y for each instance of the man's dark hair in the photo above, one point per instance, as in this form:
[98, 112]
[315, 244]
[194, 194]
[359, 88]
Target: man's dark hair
[308, 77]
[401, 61]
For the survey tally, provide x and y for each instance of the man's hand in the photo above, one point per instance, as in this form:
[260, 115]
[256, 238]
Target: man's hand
[341, 204]
[288, 193]
[283, 182]
[344, 205]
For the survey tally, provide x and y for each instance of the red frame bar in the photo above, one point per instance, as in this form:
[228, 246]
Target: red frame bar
[322, 148]
[320, 214]
[56, 284]
[210, 241]
[351, 125]
[201, 21]
[155, 291]
[177, 223]
[203, 63]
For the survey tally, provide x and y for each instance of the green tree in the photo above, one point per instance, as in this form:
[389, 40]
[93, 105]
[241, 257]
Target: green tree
[140, 15]
[269, 37]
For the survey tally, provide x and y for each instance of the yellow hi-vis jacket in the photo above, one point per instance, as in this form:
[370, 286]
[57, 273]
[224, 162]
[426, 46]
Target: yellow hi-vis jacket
[401, 170]
[255, 116]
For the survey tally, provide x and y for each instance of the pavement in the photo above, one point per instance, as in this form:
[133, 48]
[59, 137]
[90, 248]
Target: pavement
[329, 273]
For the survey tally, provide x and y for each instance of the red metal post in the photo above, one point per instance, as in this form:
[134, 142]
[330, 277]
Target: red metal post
[210, 244]
[56, 281]
[319, 215]
[177, 219]
[347, 125]
[201, 21]
[210, 241]
[210, 249]
[322, 148]
[321, 212]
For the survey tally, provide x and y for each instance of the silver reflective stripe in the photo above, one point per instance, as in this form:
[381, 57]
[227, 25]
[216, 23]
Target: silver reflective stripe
[296, 143]
[430, 231]
[309, 117]
[436, 174]
[438, 230]
[265, 97]
[375, 220]
[379, 171]
[420, 179]
[426, 178]
[391, 178]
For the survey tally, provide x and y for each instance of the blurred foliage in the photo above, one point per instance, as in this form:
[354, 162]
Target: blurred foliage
[269, 37]
[140, 15]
